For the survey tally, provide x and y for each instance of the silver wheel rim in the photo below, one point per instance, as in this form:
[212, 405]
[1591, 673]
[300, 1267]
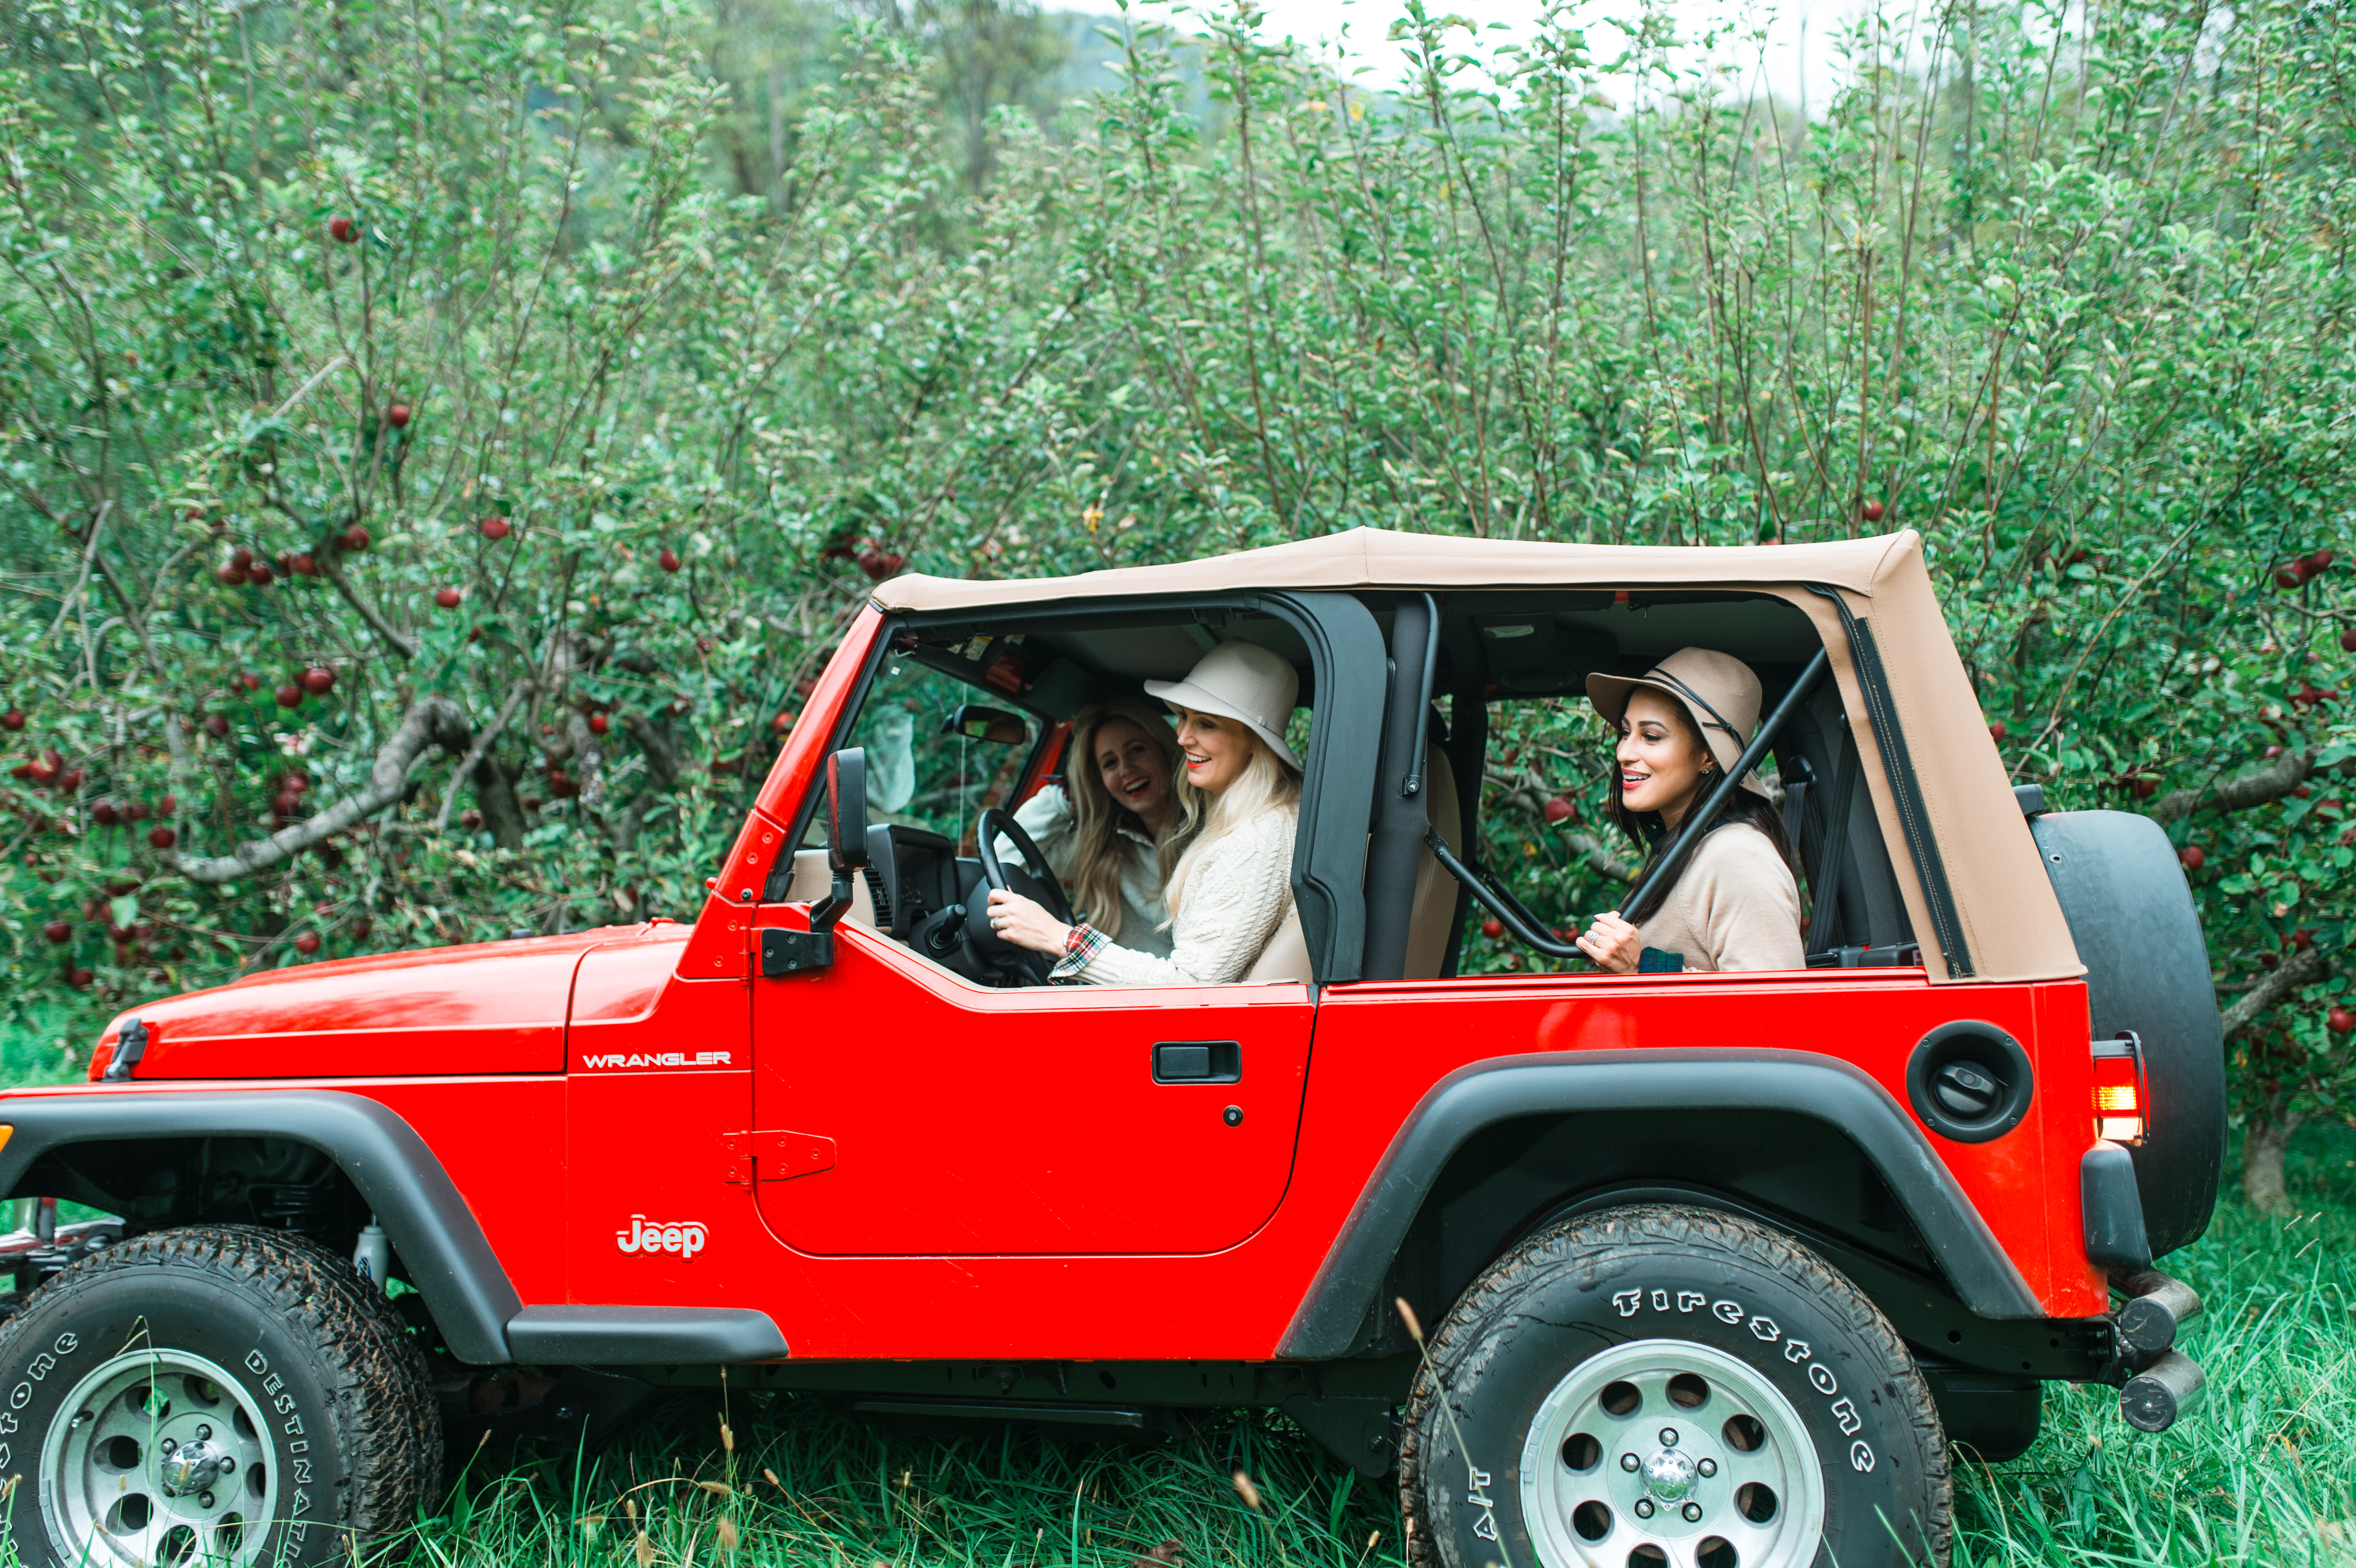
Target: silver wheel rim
[159, 1458]
[1724, 1476]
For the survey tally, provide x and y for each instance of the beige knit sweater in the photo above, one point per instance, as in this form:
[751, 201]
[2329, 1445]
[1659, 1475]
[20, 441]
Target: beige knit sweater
[1736, 907]
[1234, 896]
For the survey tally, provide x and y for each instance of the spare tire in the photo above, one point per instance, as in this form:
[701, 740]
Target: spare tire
[2131, 914]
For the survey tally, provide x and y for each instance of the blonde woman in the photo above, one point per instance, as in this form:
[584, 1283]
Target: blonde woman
[1111, 837]
[1240, 797]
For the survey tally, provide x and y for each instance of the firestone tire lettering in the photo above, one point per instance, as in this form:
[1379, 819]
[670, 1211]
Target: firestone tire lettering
[1610, 1278]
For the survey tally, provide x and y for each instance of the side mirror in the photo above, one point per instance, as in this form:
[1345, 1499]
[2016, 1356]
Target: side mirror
[977, 722]
[846, 810]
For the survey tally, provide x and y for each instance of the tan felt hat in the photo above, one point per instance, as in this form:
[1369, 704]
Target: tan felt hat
[1717, 689]
[1248, 683]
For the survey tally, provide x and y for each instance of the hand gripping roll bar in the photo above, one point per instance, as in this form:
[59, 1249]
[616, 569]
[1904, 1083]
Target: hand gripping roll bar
[1527, 927]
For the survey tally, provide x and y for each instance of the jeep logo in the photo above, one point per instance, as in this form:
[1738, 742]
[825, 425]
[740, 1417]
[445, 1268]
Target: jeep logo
[685, 1237]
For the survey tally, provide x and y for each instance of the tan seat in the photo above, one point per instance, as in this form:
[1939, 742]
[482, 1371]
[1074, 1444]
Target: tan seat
[1286, 956]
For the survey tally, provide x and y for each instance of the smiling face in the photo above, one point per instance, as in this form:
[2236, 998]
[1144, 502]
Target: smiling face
[1660, 763]
[1216, 750]
[1132, 769]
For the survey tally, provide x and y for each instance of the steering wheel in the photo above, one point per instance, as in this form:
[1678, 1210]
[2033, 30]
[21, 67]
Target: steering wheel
[1035, 966]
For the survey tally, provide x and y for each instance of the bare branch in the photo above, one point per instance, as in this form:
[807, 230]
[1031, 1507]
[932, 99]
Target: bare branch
[2273, 782]
[2302, 969]
[592, 759]
[475, 752]
[431, 721]
[331, 566]
[662, 762]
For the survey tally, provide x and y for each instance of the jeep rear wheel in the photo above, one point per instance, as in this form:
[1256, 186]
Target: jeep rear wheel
[1662, 1387]
[214, 1394]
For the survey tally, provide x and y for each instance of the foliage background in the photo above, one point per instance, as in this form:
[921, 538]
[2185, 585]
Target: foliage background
[708, 306]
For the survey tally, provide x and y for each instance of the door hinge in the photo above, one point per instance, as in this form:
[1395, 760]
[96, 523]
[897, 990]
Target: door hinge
[787, 952]
[775, 1156]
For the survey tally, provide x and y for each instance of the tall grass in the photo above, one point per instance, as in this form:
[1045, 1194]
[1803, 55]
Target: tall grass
[2265, 1474]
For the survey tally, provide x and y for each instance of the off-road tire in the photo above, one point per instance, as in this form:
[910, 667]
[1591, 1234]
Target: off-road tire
[254, 1346]
[1648, 1295]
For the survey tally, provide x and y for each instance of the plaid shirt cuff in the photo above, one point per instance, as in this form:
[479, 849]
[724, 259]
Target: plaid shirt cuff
[1082, 942]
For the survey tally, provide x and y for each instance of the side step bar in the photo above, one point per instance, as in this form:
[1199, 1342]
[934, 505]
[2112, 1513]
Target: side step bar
[2167, 1384]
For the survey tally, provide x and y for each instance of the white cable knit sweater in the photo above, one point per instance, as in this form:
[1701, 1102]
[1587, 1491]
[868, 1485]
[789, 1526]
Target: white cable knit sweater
[1236, 895]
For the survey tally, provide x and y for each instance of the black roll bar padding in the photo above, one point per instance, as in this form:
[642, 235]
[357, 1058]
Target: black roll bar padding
[1527, 927]
[1402, 812]
[1413, 783]
[1697, 821]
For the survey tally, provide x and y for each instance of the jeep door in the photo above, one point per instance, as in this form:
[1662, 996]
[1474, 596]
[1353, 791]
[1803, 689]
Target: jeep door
[937, 1115]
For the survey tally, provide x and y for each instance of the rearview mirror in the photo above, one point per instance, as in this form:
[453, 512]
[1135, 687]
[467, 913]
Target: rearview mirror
[846, 809]
[977, 722]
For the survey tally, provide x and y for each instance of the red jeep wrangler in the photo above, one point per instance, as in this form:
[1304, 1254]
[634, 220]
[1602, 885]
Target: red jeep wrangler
[1715, 1267]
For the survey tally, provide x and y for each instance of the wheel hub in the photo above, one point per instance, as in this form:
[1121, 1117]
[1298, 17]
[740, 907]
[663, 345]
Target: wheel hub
[1669, 1474]
[1670, 1451]
[159, 1458]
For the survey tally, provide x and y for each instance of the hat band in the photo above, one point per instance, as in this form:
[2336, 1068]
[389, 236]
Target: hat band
[1690, 695]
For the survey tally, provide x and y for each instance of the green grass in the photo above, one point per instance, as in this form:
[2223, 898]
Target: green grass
[2265, 1474]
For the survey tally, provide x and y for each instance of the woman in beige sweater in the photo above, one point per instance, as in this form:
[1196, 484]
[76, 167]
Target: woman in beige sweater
[1735, 904]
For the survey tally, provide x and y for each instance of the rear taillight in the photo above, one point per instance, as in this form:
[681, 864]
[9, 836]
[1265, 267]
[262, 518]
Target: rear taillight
[2122, 1096]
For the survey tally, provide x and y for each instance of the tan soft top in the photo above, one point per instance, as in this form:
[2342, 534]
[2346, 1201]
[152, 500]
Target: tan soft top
[2005, 920]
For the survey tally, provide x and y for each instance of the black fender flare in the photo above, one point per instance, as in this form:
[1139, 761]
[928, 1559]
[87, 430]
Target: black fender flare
[1484, 1093]
[442, 1245]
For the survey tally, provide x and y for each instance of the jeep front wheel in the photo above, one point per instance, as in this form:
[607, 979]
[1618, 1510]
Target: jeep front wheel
[1676, 1387]
[213, 1394]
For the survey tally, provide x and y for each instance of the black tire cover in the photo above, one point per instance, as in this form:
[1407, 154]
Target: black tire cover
[2131, 914]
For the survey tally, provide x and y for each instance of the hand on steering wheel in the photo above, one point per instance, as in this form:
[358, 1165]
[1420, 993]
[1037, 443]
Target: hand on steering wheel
[985, 932]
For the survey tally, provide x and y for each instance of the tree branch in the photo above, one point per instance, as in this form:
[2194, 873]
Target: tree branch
[475, 752]
[431, 721]
[331, 566]
[2273, 782]
[2300, 970]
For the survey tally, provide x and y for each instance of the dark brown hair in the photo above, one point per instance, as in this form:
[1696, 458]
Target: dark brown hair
[1645, 829]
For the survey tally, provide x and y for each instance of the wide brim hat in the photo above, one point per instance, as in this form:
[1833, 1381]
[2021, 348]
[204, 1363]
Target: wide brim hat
[1243, 681]
[1719, 692]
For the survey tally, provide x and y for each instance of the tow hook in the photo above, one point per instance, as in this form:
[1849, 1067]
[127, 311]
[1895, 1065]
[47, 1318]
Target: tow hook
[2165, 1383]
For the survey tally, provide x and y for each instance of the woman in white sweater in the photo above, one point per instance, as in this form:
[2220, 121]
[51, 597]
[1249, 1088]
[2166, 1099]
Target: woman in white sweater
[1241, 793]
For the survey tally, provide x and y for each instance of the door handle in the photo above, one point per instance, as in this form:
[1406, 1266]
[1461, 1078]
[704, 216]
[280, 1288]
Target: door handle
[1198, 1061]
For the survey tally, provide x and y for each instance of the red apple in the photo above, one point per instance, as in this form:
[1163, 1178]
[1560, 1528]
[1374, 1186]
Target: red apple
[319, 680]
[496, 528]
[57, 931]
[1560, 810]
[248, 679]
[2288, 577]
[447, 598]
[669, 559]
[893, 562]
[104, 813]
[1870, 511]
[259, 574]
[530, 802]
[136, 812]
[356, 538]
[12, 720]
[241, 558]
[343, 230]
[307, 943]
[361, 927]
[599, 724]
[168, 807]
[397, 416]
[2339, 1021]
[298, 782]
[79, 979]
[783, 723]
[871, 563]
[217, 724]
[286, 802]
[2193, 857]
[229, 575]
[2303, 791]
[290, 696]
[1996, 730]
[470, 820]
[162, 837]
[2301, 940]
[70, 780]
[2271, 752]
[303, 564]
[2145, 788]
[1493, 927]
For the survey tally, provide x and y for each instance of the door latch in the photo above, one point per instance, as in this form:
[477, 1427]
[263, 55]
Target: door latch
[776, 1156]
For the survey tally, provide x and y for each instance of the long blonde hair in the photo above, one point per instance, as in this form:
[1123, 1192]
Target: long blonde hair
[1100, 852]
[1266, 785]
